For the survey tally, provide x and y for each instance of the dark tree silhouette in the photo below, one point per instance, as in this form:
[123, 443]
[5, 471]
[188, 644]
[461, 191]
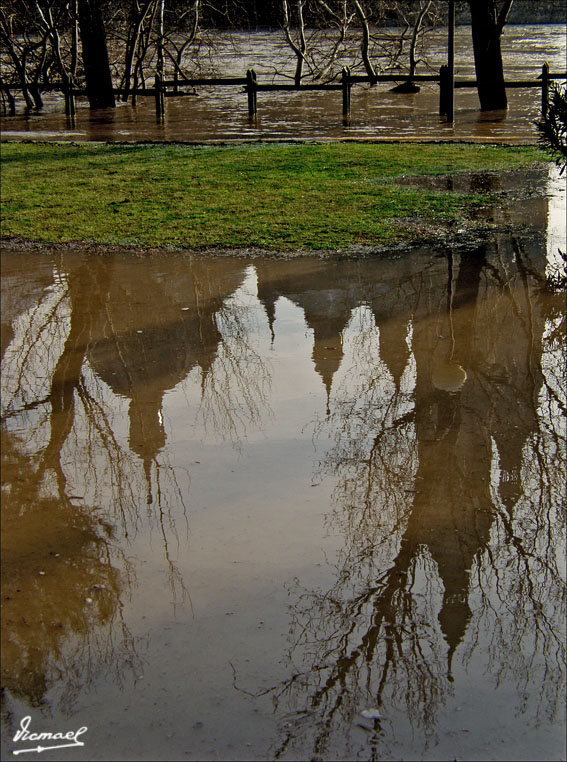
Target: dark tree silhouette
[488, 18]
[95, 54]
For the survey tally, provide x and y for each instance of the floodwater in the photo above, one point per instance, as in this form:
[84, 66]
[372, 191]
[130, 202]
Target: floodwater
[221, 113]
[286, 509]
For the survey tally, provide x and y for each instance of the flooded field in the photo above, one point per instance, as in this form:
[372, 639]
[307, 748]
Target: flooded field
[286, 509]
[213, 114]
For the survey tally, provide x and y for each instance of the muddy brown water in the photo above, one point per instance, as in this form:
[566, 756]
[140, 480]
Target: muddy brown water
[286, 509]
[213, 114]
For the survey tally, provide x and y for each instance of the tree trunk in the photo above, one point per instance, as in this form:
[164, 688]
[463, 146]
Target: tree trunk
[160, 61]
[299, 47]
[486, 33]
[95, 55]
[365, 44]
[424, 8]
[74, 41]
[135, 31]
[189, 41]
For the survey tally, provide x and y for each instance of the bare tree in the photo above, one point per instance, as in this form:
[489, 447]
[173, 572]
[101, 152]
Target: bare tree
[339, 19]
[176, 45]
[26, 41]
[295, 35]
[423, 14]
[365, 41]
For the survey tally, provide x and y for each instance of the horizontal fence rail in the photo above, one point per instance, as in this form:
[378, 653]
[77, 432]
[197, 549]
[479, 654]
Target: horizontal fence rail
[217, 81]
[166, 88]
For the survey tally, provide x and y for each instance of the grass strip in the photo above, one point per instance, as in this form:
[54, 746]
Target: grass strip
[275, 196]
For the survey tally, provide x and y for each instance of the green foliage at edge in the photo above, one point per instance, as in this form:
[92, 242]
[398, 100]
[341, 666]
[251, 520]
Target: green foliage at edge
[275, 196]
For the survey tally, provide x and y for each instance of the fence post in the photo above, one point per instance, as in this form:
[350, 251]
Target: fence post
[251, 90]
[444, 90]
[451, 63]
[544, 89]
[160, 98]
[345, 81]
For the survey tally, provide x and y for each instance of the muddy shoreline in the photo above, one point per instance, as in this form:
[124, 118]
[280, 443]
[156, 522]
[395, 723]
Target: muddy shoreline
[469, 235]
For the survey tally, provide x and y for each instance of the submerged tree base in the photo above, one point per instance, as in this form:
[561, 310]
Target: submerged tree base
[406, 87]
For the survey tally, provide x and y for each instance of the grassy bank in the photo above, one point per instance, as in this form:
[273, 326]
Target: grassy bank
[276, 196]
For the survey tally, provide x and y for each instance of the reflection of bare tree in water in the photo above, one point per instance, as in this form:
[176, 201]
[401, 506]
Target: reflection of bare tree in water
[448, 496]
[234, 391]
[61, 589]
[97, 324]
[44, 378]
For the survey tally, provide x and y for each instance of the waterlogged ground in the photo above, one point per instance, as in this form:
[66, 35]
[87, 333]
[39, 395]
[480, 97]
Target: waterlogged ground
[286, 509]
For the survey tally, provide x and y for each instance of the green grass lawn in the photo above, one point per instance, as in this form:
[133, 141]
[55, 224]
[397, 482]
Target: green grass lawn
[276, 196]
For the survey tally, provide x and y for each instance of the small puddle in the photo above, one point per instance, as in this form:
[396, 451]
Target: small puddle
[516, 183]
[285, 508]
[522, 190]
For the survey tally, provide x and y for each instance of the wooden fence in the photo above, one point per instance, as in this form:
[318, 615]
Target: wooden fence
[251, 86]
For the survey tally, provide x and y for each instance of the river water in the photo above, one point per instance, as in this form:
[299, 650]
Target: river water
[286, 509]
[219, 114]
